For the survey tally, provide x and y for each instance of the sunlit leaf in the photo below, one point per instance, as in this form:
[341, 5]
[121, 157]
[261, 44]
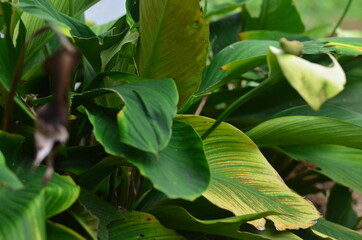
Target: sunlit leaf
[243, 182]
[173, 48]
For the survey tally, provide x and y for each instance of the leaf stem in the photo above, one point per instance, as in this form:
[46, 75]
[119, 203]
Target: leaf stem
[240, 101]
[341, 18]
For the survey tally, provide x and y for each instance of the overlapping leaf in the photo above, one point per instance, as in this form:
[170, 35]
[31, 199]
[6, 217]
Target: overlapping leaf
[174, 40]
[243, 182]
[325, 228]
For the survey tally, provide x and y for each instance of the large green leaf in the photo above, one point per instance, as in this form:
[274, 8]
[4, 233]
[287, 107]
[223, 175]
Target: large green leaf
[279, 15]
[341, 46]
[174, 43]
[243, 182]
[23, 212]
[7, 177]
[182, 159]
[178, 218]
[340, 163]
[146, 119]
[244, 56]
[325, 228]
[139, 225]
[297, 130]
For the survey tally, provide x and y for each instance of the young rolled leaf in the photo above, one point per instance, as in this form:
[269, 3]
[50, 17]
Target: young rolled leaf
[139, 225]
[174, 43]
[243, 182]
[314, 82]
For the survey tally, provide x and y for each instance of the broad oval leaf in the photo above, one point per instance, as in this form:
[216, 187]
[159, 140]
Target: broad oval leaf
[340, 163]
[314, 82]
[173, 48]
[326, 228]
[243, 182]
[244, 55]
[180, 170]
[298, 130]
[139, 225]
[146, 119]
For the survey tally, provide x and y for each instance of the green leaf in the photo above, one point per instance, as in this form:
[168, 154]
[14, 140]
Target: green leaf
[7, 177]
[10, 146]
[335, 231]
[278, 15]
[182, 159]
[298, 130]
[56, 231]
[340, 46]
[243, 182]
[314, 82]
[233, 61]
[23, 212]
[271, 35]
[139, 225]
[340, 207]
[105, 212]
[340, 163]
[173, 48]
[222, 7]
[146, 119]
[178, 218]
[328, 110]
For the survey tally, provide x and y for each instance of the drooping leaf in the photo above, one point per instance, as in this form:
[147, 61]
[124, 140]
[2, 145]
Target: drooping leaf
[278, 15]
[146, 119]
[173, 48]
[105, 212]
[23, 212]
[139, 225]
[178, 218]
[302, 130]
[244, 56]
[56, 231]
[340, 46]
[340, 163]
[243, 182]
[182, 159]
[335, 231]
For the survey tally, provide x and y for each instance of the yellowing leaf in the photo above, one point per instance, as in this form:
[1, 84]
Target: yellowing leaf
[243, 182]
[314, 82]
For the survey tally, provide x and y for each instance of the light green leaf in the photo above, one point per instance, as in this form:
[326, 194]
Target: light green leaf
[139, 225]
[221, 7]
[335, 231]
[182, 159]
[243, 182]
[173, 48]
[279, 15]
[7, 177]
[271, 35]
[341, 164]
[233, 61]
[340, 46]
[301, 130]
[105, 212]
[56, 231]
[178, 218]
[315, 83]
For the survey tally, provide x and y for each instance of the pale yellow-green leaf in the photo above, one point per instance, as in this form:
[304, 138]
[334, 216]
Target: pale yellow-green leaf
[314, 82]
[174, 41]
[243, 182]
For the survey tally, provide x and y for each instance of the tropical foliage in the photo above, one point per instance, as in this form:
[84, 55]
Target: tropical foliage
[179, 120]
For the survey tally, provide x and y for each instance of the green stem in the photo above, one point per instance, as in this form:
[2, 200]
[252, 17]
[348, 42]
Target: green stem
[243, 99]
[341, 19]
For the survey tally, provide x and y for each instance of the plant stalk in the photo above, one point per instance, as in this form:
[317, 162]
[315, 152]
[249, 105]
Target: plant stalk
[240, 101]
[341, 18]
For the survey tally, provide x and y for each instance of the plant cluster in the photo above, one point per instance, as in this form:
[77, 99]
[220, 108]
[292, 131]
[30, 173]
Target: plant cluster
[180, 120]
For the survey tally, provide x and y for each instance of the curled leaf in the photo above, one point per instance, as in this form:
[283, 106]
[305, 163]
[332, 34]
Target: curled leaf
[314, 82]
